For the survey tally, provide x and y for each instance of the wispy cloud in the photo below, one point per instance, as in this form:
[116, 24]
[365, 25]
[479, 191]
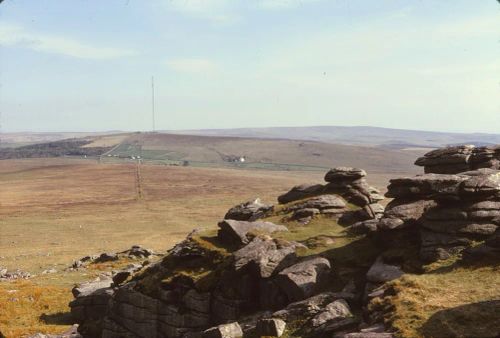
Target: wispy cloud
[18, 36]
[192, 66]
[486, 25]
[283, 4]
[230, 11]
[217, 11]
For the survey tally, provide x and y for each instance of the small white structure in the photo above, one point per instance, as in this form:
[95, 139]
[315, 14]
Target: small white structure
[242, 159]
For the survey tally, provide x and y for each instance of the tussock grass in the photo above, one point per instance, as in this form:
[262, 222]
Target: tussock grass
[450, 300]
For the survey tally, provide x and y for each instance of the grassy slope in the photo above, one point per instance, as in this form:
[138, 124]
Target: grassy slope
[450, 300]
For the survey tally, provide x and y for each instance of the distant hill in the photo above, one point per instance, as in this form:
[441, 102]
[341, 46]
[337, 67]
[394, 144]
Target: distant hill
[26, 138]
[262, 153]
[285, 148]
[366, 136]
[361, 136]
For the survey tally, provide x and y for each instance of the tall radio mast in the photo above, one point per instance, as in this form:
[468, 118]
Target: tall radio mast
[153, 101]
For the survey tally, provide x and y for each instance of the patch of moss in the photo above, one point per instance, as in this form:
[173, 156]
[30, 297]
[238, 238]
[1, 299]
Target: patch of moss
[199, 269]
[351, 255]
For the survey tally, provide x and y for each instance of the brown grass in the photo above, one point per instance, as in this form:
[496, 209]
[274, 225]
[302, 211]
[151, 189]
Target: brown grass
[53, 211]
[452, 301]
[27, 307]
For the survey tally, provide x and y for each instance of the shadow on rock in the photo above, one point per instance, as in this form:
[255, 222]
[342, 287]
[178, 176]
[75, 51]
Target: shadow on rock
[59, 318]
[471, 320]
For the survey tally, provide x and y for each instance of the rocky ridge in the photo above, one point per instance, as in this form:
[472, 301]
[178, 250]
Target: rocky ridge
[252, 279]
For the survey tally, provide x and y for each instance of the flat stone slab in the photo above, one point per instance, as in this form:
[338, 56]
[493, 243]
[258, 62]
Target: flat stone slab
[327, 201]
[236, 231]
[380, 272]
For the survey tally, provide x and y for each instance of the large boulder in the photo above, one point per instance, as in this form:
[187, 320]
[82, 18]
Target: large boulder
[305, 215]
[236, 232]
[249, 211]
[231, 330]
[265, 256]
[481, 183]
[91, 305]
[300, 192]
[306, 308]
[343, 174]
[305, 278]
[457, 159]
[336, 315]
[322, 202]
[380, 272]
[428, 185]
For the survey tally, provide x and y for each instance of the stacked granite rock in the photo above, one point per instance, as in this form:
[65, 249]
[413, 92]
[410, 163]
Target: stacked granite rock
[452, 160]
[447, 213]
[344, 185]
[249, 211]
[261, 275]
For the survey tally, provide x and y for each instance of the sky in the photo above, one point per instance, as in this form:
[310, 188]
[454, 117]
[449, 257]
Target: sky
[79, 65]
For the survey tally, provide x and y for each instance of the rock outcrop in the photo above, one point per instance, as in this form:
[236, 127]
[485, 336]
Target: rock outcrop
[166, 301]
[91, 305]
[6, 274]
[230, 285]
[249, 211]
[450, 211]
[135, 252]
[249, 281]
[344, 186]
[350, 183]
[443, 213]
[453, 160]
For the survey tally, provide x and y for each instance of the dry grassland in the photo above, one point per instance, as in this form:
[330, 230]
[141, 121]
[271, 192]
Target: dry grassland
[53, 211]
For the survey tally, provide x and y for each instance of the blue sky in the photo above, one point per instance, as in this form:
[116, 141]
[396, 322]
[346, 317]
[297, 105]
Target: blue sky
[87, 65]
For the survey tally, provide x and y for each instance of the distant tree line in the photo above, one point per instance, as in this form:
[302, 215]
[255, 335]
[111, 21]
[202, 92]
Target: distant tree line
[53, 149]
